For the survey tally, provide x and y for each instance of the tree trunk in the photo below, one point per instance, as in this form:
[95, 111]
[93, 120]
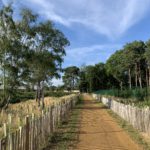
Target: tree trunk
[4, 76]
[73, 83]
[42, 94]
[91, 88]
[147, 82]
[149, 74]
[130, 81]
[139, 76]
[6, 105]
[140, 81]
[39, 93]
[121, 87]
[36, 94]
[32, 87]
[136, 75]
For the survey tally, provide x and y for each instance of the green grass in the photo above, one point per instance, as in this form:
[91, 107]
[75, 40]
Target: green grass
[138, 97]
[66, 136]
[132, 132]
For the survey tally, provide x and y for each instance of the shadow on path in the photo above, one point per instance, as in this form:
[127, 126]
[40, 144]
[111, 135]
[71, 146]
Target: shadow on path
[67, 133]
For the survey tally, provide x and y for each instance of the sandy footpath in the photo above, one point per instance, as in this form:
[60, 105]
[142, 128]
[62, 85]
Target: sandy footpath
[99, 131]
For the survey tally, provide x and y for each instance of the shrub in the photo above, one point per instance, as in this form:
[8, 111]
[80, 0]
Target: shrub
[135, 94]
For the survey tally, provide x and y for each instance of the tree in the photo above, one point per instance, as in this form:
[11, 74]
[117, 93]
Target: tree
[93, 78]
[31, 52]
[71, 77]
[147, 57]
[83, 84]
[47, 56]
[10, 53]
[135, 59]
[115, 67]
[101, 78]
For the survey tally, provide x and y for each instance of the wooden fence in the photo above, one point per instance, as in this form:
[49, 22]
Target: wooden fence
[138, 117]
[36, 131]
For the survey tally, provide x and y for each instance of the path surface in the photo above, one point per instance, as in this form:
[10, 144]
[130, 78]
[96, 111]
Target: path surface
[99, 131]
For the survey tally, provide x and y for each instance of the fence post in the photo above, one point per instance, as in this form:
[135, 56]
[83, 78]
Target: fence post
[5, 135]
[0, 144]
[51, 119]
[27, 133]
[20, 137]
[26, 137]
[9, 132]
[33, 130]
[9, 121]
[5, 129]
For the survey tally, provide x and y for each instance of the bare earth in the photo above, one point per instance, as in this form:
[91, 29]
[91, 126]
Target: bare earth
[99, 131]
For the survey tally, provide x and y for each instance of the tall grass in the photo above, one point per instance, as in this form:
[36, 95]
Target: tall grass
[21, 96]
[20, 110]
[135, 95]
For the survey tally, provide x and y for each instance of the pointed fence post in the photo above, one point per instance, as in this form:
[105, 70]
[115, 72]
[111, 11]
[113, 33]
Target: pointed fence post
[27, 133]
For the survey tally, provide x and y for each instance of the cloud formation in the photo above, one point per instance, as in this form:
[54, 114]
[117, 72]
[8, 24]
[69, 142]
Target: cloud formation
[107, 17]
[57, 82]
[87, 56]
[90, 55]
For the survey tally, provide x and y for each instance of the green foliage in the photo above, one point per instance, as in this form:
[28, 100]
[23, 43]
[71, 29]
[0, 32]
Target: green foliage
[126, 68]
[95, 77]
[71, 77]
[31, 52]
[115, 64]
[135, 95]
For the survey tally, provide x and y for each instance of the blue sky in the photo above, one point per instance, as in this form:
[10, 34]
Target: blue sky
[95, 28]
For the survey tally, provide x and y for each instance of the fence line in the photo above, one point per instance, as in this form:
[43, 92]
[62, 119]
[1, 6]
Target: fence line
[34, 134]
[138, 117]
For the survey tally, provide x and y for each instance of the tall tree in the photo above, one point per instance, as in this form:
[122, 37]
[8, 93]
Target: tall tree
[10, 53]
[115, 67]
[147, 56]
[135, 57]
[71, 76]
[31, 51]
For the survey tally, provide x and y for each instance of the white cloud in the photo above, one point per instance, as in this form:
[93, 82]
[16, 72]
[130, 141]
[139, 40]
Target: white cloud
[57, 82]
[5, 2]
[90, 55]
[111, 18]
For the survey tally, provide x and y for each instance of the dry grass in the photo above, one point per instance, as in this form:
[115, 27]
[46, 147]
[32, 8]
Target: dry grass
[19, 111]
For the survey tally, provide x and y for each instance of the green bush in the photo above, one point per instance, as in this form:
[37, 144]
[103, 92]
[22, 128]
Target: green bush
[135, 94]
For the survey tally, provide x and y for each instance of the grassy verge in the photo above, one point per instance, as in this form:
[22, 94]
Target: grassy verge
[24, 96]
[132, 132]
[138, 97]
[66, 136]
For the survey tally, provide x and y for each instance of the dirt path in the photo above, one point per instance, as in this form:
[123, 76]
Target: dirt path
[99, 131]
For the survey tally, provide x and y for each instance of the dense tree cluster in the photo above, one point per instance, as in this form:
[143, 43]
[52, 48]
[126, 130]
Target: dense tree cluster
[93, 78]
[89, 78]
[31, 52]
[71, 78]
[127, 68]
[130, 66]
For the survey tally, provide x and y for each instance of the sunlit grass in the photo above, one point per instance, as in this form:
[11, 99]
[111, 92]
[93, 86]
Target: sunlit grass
[19, 111]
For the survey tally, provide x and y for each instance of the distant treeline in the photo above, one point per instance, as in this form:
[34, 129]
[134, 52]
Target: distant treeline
[127, 68]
